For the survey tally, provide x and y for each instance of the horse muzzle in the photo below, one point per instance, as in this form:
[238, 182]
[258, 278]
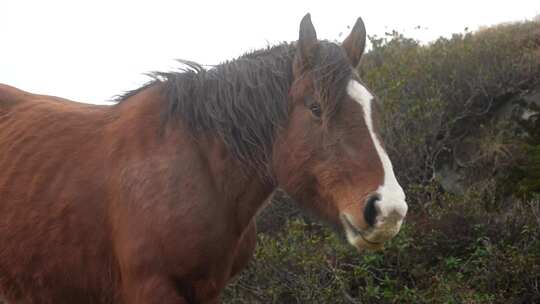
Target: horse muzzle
[383, 222]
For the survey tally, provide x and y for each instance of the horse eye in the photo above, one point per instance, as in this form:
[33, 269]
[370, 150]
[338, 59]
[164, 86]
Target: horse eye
[316, 109]
[313, 106]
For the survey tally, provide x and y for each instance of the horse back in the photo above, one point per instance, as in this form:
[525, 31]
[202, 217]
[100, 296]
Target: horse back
[10, 95]
[52, 218]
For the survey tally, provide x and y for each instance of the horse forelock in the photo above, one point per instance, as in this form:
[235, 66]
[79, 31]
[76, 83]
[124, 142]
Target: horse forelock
[332, 75]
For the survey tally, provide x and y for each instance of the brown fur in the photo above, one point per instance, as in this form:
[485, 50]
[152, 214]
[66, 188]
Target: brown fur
[100, 204]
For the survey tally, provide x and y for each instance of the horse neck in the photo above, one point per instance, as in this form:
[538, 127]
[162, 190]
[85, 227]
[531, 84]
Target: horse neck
[238, 184]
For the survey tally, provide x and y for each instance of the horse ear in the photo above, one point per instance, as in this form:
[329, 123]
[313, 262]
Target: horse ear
[307, 43]
[355, 43]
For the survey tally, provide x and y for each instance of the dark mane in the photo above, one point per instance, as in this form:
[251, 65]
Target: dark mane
[245, 100]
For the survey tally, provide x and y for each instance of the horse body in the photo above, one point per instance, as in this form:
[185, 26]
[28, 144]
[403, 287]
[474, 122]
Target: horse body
[153, 200]
[46, 239]
[88, 178]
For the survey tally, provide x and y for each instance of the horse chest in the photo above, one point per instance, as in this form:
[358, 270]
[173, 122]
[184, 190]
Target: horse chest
[225, 265]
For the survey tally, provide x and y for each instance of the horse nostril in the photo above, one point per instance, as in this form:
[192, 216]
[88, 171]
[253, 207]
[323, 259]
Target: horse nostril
[370, 211]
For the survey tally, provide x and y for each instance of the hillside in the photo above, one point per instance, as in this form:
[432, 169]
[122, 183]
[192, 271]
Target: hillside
[462, 126]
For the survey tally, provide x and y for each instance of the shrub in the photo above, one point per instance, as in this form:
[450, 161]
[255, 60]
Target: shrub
[449, 104]
[438, 100]
[455, 254]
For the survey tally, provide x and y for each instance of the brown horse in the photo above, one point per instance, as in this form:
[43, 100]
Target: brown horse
[153, 200]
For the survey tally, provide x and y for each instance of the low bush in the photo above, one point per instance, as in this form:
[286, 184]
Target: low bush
[455, 105]
[452, 254]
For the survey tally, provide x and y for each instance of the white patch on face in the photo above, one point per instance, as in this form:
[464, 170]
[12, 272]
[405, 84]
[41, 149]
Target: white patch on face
[391, 193]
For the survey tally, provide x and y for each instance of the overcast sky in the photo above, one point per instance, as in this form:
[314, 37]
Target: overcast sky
[92, 50]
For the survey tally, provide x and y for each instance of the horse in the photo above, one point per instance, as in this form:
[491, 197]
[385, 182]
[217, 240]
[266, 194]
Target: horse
[153, 199]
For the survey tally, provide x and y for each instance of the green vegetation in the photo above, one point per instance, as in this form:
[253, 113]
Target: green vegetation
[452, 108]
[451, 255]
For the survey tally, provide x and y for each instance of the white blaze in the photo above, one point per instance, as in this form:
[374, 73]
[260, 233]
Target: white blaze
[391, 193]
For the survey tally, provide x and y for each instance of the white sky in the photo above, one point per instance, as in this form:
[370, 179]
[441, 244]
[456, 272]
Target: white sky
[92, 50]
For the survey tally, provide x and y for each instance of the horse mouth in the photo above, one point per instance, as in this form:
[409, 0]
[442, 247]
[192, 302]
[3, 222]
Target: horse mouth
[354, 234]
